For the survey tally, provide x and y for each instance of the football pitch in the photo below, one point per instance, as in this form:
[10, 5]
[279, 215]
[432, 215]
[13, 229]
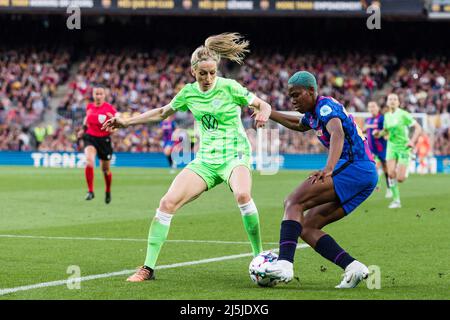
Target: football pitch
[48, 233]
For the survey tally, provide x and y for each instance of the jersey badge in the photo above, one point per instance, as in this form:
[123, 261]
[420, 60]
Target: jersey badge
[325, 110]
[101, 118]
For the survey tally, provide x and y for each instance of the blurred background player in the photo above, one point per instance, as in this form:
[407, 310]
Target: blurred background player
[399, 147]
[377, 144]
[97, 141]
[168, 127]
[225, 151]
[348, 179]
[422, 150]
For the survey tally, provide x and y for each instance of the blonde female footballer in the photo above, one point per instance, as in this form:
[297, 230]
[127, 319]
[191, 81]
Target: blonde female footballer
[225, 152]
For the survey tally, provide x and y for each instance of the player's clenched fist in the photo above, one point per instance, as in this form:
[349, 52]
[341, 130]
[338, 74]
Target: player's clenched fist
[261, 117]
[115, 122]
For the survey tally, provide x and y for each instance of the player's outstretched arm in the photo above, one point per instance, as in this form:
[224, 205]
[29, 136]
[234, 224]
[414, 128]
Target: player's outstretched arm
[262, 113]
[289, 121]
[154, 115]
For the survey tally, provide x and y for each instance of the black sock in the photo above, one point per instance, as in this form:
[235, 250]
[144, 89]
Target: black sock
[289, 233]
[387, 180]
[148, 268]
[329, 249]
[169, 158]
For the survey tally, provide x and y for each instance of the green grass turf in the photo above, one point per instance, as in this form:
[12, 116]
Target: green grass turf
[410, 245]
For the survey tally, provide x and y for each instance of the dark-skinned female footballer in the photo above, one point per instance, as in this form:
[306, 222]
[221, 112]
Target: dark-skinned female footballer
[348, 179]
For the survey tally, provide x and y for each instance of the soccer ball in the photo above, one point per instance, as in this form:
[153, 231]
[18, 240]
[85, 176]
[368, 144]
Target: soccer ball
[257, 267]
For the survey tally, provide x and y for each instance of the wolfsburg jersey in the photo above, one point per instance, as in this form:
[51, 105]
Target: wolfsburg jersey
[218, 115]
[397, 124]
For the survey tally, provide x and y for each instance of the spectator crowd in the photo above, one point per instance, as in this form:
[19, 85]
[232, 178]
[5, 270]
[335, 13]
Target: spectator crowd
[28, 79]
[140, 81]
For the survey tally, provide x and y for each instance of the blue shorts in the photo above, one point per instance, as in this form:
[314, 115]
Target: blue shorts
[354, 182]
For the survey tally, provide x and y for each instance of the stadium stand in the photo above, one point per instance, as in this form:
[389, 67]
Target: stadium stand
[139, 81]
[28, 79]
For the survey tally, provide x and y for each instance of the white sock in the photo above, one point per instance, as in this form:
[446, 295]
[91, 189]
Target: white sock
[392, 182]
[248, 208]
[163, 218]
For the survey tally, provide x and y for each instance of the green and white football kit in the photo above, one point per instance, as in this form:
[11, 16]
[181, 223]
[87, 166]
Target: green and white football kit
[223, 146]
[223, 142]
[397, 125]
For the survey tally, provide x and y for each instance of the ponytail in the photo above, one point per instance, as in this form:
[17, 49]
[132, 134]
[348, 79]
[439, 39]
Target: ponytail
[230, 46]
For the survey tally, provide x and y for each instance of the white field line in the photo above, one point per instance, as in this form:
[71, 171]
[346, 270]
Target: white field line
[125, 272]
[123, 239]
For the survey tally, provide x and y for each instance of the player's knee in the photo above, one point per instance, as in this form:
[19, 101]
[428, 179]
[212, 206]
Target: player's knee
[291, 201]
[89, 162]
[242, 197]
[292, 209]
[400, 179]
[168, 205]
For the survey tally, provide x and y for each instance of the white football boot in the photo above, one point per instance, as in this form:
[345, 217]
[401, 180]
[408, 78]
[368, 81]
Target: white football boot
[281, 270]
[388, 194]
[395, 204]
[354, 273]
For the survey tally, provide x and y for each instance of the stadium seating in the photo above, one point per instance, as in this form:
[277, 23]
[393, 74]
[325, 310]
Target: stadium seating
[28, 80]
[139, 81]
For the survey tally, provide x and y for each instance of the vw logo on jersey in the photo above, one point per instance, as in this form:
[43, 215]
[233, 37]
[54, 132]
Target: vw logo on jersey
[209, 122]
[101, 118]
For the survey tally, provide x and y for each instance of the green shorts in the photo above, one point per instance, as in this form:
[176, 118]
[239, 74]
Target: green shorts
[402, 156]
[215, 174]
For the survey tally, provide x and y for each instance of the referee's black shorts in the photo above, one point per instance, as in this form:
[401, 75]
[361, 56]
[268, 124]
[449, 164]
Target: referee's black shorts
[103, 146]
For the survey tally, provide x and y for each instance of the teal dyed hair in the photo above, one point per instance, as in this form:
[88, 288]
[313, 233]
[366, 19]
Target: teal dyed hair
[303, 79]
